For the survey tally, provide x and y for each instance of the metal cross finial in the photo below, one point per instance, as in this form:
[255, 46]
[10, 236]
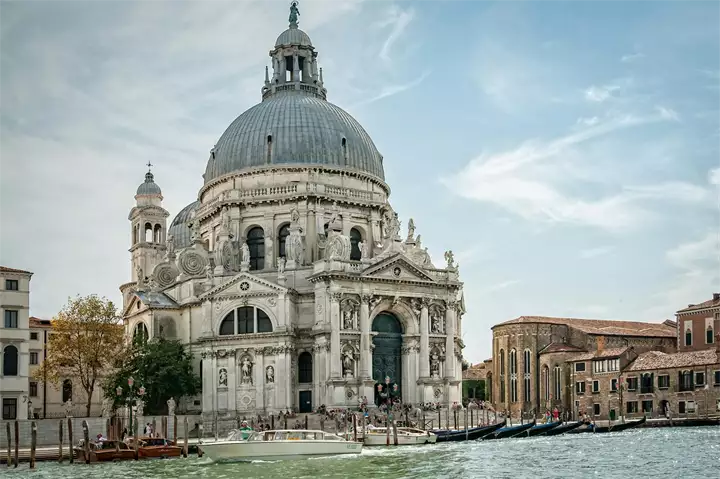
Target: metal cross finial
[149, 165]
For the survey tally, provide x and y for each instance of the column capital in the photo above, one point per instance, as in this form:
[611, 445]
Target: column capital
[335, 297]
[366, 298]
[425, 302]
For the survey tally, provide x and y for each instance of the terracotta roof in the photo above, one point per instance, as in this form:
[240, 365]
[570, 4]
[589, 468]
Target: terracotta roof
[710, 303]
[561, 348]
[601, 326]
[476, 371]
[605, 353]
[39, 323]
[659, 360]
[5, 269]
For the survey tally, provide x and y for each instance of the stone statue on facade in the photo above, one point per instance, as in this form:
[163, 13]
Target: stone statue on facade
[347, 319]
[435, 366]
[140, 275]
[281, 266]
[334, 216]
[348, 364]
[411, 231]
[68, 406]
[223, 380]
[294, 216]
[364, 247]
[170, 246]
[435, 323]
[225, 219]
[246, 366]
[244, 256]
[171, 406]
[450, 259]
[394, 227]
[194, 226]
[269, 374]
[209, 271]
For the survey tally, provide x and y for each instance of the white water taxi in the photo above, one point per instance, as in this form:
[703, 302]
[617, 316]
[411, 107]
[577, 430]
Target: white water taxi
[279, 444]
[407, 436]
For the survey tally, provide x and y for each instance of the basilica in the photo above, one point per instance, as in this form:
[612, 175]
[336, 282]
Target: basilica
[290, 278]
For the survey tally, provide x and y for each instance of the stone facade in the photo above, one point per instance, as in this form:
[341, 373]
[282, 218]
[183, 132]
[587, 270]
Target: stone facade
[14, 341]
[289, 279]
[48, 400]
[698, 324]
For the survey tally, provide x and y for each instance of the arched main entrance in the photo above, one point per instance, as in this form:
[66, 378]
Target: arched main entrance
[387, 357]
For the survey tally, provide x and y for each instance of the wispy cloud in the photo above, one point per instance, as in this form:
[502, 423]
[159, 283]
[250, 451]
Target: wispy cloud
[595, 252]
[390, 90]
[631, 57]
[528, 181]
[600, 94]
[399, 19]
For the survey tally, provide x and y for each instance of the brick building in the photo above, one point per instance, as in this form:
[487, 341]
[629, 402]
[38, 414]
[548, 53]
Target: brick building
[531, 364]
[609, 369]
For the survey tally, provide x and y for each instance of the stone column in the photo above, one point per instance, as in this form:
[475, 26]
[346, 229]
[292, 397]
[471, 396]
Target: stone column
[424, 339]
[310, 235]
[296, 68]
[335, 372]
[450, 340]
[365, 356]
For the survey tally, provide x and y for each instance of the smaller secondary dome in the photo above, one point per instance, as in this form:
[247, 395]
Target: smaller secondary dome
[293, 36]
[149, 187]
[179, 228]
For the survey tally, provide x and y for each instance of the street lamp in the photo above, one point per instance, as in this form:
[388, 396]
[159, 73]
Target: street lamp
[129, 398]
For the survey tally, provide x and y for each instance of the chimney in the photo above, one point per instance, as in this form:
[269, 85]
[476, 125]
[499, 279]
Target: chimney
[716, 296]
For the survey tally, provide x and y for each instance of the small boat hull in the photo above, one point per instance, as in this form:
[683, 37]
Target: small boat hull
[105, 455]
[539, 429]
[472, 434]
[238, 451]
[556, 431]
[371, 439]
[509, 431]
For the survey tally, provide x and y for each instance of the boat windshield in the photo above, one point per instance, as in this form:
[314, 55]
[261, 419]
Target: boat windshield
[237, 435]
[293, 436]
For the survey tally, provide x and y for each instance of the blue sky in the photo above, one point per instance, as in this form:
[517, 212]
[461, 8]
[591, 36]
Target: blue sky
[567, 152]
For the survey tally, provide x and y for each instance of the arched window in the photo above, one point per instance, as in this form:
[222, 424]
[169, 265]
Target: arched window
[264, 325]
[305, 368]
[355, 239]
[386, 323]
[709, 336]
[10, 361]
[245, 320]
[513, 376]
[256, 245]
[546, 382]
[135, 234]
[557, 384]
[282, 238]
[67, 391]
[688, 337]
[140, 335]
[148, 233]
[526, 375]
[158, 234]
[502, 375]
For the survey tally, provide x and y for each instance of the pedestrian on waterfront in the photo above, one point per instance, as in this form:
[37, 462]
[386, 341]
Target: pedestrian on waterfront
[124, 434]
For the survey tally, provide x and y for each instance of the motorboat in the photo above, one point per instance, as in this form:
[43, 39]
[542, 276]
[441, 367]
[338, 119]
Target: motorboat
[104, 451]
[155, 447]
[278, 444]
[406, 436]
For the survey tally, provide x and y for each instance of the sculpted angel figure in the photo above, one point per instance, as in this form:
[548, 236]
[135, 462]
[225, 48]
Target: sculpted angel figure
[246, 370]
[450, 258]
[294, 13]
[170, 245]
[281, 265]
[411, 230]
[244, 253]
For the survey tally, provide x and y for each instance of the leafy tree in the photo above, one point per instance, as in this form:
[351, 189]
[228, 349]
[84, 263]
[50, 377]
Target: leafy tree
[85, 338]
[473, 388]
[163, 367]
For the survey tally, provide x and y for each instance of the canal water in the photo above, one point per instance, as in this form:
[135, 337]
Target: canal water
[653, 453]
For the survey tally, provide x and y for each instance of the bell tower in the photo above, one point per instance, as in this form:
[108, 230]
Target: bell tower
[148, 229]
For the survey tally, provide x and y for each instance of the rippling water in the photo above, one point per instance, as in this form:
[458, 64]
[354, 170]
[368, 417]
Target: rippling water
[660, 453]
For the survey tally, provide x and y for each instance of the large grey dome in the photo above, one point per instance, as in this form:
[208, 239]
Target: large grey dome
[179, 229]
[293, 36]
[149, 187]
[294, 128]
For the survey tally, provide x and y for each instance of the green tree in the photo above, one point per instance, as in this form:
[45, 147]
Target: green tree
[473, 388]
[85, 337]
[163, 367]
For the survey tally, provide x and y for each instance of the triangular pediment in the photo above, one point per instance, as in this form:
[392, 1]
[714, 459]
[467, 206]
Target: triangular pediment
[243, 284]
[132, 304]
[399, 268]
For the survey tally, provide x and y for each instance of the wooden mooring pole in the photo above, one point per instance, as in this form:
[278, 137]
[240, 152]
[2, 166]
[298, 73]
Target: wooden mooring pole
[33, 443]
[185, 446]
[322, 422]
[306, 421]
[354, 427]
[136, 436]
[60, 441]
[9, 444]
[86, 437]
[175, 430]
[394, 426]
[387, 430]
[17, 443]
[200, 436]
[70, 441]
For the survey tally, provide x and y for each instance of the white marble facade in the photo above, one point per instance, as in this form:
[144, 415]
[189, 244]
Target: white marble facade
[276, 276]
